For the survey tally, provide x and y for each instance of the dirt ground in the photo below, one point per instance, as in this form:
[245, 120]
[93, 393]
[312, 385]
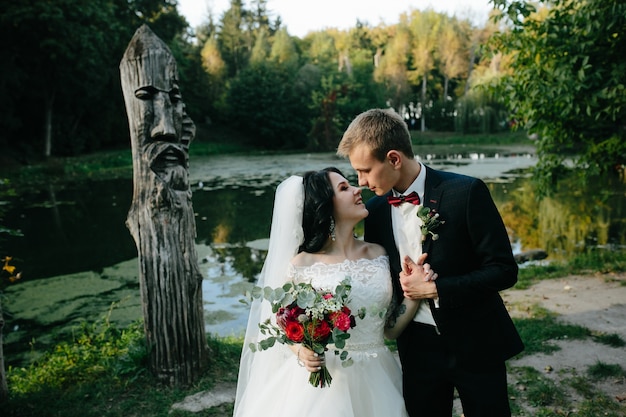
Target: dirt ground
[597, 302]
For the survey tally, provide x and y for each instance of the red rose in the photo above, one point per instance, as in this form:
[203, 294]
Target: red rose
[294, 331]
[319, 330]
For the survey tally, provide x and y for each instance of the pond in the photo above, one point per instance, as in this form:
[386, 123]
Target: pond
[79, 261]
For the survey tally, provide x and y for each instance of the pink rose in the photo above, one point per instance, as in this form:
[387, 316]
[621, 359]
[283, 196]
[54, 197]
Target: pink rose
[342, 321]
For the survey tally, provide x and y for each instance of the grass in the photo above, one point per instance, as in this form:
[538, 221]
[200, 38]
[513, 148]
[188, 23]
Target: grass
[76, 379]
[600, 370]
[542, 328]
[534, 393]
[537, 394]
[593, 261]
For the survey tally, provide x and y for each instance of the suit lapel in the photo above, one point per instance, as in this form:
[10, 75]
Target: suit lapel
[432, 198]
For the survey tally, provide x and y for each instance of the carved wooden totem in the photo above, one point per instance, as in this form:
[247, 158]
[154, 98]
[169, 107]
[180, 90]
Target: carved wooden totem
[161, 217]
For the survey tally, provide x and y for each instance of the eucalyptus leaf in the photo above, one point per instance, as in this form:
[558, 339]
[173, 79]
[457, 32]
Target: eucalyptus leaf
[267, 343]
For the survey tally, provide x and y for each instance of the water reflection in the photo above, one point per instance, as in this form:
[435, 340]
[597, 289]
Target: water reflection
[69, 228]
[575, 218]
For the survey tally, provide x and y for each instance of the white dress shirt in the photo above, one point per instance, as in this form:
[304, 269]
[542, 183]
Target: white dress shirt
[408, 236]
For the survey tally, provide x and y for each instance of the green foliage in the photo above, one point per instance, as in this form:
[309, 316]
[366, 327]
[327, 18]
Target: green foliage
[241, 70]
[479, 111]
[263, 103]
[326, 130]
[567, 81]
[97, 350]
[62, 65]
[133, 393]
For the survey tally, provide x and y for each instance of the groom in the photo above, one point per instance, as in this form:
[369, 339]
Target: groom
[462, 333]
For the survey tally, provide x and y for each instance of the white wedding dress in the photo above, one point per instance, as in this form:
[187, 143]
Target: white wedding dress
[370, 387]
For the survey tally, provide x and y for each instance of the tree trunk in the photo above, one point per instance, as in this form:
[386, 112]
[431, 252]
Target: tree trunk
[423, 118]
[471, 68]
[49, 102]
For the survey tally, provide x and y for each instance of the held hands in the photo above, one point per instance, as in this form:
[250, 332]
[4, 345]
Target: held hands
[417, 279]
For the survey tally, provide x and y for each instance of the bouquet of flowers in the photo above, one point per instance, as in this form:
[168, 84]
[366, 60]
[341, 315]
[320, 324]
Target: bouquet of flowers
[315, 318]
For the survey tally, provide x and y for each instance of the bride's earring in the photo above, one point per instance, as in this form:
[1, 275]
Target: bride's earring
[331, 229]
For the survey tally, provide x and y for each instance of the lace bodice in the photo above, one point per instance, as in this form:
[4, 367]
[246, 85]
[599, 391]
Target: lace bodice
[371, 288]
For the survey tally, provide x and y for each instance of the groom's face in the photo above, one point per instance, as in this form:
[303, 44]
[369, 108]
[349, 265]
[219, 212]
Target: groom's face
[378, 176]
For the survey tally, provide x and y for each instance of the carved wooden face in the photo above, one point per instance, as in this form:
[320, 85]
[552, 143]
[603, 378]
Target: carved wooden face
[155, 109]
[162, 113]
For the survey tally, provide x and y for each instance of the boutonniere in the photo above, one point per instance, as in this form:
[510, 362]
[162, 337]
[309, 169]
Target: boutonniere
[430, 221]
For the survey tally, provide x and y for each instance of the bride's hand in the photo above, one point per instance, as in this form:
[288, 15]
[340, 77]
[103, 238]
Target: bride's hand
[419, 270]
[417, 279]
[309, 359]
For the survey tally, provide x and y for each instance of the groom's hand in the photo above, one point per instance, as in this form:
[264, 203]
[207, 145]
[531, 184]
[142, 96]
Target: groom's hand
[417, 279]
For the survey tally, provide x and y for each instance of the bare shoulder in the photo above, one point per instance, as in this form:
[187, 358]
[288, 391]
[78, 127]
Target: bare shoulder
[372, 250]
[304, 259]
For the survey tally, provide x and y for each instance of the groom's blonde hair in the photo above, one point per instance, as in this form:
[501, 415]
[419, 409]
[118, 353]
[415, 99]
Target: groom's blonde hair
[382, 130]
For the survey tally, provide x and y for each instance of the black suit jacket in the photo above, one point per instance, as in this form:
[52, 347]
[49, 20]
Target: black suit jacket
[474, 260]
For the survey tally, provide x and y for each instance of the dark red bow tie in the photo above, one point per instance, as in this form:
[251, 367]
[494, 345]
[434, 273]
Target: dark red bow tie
[412, 198]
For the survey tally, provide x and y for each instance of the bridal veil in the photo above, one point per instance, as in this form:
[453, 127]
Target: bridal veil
[286, 236]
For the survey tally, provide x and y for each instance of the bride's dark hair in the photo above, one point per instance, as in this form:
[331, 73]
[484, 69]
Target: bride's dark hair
[318, 208]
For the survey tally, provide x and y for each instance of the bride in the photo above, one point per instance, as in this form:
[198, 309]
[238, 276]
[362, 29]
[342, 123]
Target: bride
[312, 240]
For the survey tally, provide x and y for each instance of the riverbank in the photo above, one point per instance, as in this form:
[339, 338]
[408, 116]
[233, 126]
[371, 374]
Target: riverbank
[117, 163]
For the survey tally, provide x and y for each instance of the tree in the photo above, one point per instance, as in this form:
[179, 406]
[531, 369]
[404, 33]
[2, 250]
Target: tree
[283, 50]
[59, 48]
[261, 48]
[453, 51]
[321, 50]
[567, 81]
[391, 70]
[425, 29]
[59, 79]
[232, 38]
[263, 103]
